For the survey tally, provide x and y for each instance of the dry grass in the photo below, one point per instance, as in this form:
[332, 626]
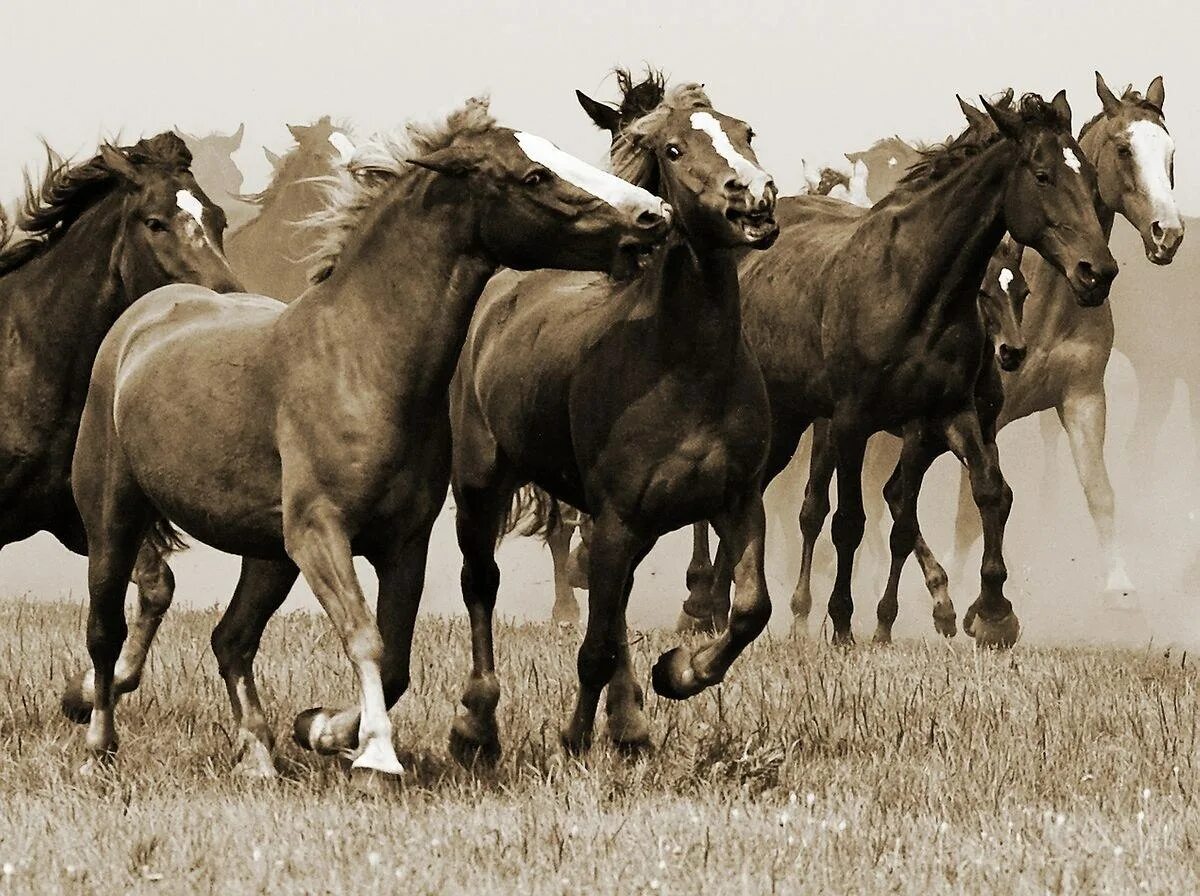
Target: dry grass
[925, 768]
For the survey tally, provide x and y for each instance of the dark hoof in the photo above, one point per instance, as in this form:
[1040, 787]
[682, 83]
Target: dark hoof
[673, 676]
[575, 744]
[74, 706]
[472, 747]
[307, 727]
[843, 639]
[946, 626]
[1001, 633]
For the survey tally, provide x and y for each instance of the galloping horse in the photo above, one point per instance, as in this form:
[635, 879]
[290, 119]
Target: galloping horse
[299, 435]
[218, 175]
[98, 235]
[869, 318]
[638, 403]
[1133, 154]
[272, 253]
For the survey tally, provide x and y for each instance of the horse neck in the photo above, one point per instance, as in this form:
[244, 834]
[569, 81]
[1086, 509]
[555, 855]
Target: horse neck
[1052, 313]
[401, 295]
[72, 292]
[693, 296]
[955, 223]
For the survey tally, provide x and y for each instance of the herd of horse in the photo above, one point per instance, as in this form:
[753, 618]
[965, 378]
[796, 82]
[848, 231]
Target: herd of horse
[465, 306]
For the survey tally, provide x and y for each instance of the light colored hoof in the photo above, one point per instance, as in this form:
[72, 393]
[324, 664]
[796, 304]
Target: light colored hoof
[674, 677]
[313, 730]
[256, 763]
[473, 744]
[883, 635]
[998, 634]
[379, 756]
[565, 614]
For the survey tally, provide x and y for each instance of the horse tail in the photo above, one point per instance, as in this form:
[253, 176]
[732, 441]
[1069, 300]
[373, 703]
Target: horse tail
[165, 538]
[532, 512]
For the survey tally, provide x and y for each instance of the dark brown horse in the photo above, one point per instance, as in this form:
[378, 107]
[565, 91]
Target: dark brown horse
[1133, 154]
[870, 318]
[218, 174]
[98, 235]
[638, 403]
[299, 435]
[273, 252]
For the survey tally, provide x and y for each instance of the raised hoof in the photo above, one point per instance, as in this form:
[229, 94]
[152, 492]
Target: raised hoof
[74, 705]
[946, 626]
[673, 676]
[883, 635]
[565, 614]
[689, 624]
[308, 728]
[1001, 633]
[471, 747]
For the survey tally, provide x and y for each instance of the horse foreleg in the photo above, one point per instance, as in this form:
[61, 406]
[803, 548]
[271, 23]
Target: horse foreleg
[682, 672]
[566, 607]
[990, 619]
[1083, 417]
[848, 523]
[261, 589]
[812, 520]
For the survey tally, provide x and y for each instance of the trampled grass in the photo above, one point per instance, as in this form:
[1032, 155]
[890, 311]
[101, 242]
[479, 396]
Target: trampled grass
[923, 768]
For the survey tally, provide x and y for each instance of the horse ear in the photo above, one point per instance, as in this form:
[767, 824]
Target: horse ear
[1008, 121]
[272, 158]
[450, 160]
[1007, 99]
[605, 116]
[974, 116]
[235, 139]
[297, 131]
[1107, 98]
[1062, 109]
[119, 163]
[1156, 93]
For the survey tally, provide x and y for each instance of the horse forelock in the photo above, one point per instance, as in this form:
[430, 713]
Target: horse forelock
[629, 159]
[377, 166]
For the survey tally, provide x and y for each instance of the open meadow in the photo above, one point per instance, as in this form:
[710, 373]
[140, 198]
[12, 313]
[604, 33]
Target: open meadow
[925, 768]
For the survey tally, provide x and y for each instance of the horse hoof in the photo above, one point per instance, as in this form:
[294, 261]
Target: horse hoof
[255, 764]
[378, 756]
[883, 635]
[372, 782]
[799, 628]
[673, 676]
[629, 733]
[472, 747]
[311, 730]
[843, 639]
[1001, 633]
[945, 625]
[74, 704]
[689, 624]
[567, 615]
[575, 743]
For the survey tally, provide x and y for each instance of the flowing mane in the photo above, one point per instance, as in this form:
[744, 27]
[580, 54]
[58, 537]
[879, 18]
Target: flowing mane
[68, 190]
[376, 167]
[1129, 96]
[629, 161]
[941, 159]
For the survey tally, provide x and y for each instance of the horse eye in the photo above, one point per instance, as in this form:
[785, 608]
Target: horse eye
[673, 151]
[1124, 152]
[749, 135]
[157, 225]
[533, 178]
[1042, 177]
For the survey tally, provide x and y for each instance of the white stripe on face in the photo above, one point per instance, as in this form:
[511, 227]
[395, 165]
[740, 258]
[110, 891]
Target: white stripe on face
[190, 204]
[620, 194]
[1006, 279]
[1071, 159]
[344, 147]
[1153, 150]
[751, 176]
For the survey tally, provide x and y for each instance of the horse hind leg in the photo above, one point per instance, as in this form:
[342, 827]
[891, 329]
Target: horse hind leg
[261, 589]
[566, 607]
[696, 614]
[813, 514]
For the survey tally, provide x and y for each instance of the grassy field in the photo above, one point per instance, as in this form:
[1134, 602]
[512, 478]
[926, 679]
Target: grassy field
[924, 768]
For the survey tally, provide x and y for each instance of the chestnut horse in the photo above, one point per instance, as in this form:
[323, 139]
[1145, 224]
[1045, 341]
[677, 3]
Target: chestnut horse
[299, 435]
[869, 318]
[98, 235]
[639, 403]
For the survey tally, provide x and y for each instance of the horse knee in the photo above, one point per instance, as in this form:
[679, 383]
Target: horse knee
[597, 662]
[848, 526]
[748, 623]
[812, 515]
[480, 579]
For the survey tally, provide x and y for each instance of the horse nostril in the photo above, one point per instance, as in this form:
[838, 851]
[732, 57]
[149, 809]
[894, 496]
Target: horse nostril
[650, 219]
[1156, 230]
[1086, 273]
[733, 185]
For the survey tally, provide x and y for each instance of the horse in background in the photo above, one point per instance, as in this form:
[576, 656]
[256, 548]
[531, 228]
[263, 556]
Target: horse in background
[272, 253]
[96, 236]
[218, 175]
[887, 161]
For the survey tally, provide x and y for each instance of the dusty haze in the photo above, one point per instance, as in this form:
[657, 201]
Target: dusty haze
[814, 83]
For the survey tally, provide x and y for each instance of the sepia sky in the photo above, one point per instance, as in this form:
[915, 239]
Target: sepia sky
[814, 79]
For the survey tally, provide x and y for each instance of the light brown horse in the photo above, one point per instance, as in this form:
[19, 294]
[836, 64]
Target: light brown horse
[638, 403]
[869, 318]
[299, 435]
[273, 252]
[218, 174]
[97, 235]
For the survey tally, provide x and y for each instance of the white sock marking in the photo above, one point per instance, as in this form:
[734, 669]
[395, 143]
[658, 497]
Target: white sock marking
[620, 194]
[754, 178]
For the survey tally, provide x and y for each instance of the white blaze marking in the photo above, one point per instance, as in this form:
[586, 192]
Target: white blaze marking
[1153, 150]
[753, 177]
[1071, 159]
[342, 144]
[620, 194]
[190, 204]
[1006, 279]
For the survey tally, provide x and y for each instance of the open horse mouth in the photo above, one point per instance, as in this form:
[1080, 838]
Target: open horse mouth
[758, 226]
